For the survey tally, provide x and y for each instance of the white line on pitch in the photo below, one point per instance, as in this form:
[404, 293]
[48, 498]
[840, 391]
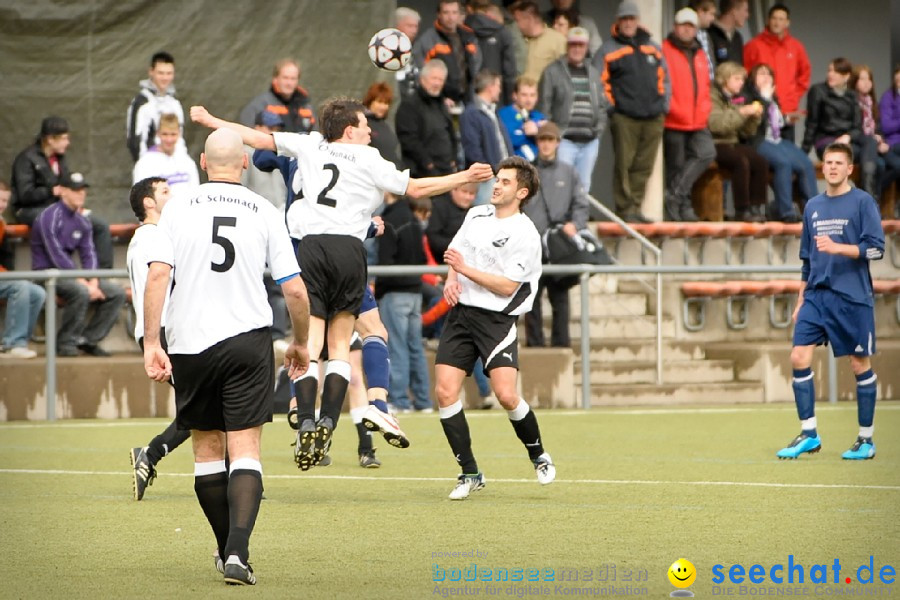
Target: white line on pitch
[892, 488]
[786, 407]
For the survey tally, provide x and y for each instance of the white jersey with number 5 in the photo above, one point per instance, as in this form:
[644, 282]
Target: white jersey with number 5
[510, 247]
[219, 240]
[342, 184]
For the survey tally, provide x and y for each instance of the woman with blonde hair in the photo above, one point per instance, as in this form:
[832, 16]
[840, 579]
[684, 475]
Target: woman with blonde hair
[731, 118]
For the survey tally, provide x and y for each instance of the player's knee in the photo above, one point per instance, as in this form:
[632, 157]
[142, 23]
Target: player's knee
[801, 357]
[447, 393]
[508, 397]
[860, 364]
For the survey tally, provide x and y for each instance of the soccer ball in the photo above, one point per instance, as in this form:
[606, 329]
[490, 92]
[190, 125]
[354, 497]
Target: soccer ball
[390, 49]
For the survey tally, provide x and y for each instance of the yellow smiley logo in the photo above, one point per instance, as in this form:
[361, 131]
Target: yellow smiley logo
[682, 573]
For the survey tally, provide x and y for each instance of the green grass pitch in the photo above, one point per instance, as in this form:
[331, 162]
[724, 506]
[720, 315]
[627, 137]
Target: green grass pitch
[636, 488]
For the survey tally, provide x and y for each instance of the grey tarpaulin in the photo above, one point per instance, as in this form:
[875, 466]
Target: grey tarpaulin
[82, 60]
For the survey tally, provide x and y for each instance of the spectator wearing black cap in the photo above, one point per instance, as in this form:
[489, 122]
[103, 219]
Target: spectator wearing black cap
[56, 235]
[37, 177]
[39, 169]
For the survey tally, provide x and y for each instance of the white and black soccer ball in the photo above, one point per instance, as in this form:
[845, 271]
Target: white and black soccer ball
[390, 49]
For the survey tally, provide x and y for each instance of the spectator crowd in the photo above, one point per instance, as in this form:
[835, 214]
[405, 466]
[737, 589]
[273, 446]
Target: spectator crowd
[487, 81]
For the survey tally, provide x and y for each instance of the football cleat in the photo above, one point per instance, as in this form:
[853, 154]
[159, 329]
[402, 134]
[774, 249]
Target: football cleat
[375, 420]
[220, 564]
[237, 573]
[303, 448]
[143, 472]
[466, 484]
[544, 468]
[324, 431]
[367, 459]
[802, 443]
[862, 449]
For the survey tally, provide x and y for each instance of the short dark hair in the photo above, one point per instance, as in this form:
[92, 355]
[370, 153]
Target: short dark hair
[459, 3]
[699, 5]
[845, 148]
[726, 6]
[4, 187]
[337, 115]
[528, 6]
[162, 57]
[484, 78]
[842, 65]
[145, 188]
[420, 204]
[779, 6]
[526, 175]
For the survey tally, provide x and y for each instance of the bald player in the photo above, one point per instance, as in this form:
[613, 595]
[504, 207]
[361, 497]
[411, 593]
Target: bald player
[218, 241]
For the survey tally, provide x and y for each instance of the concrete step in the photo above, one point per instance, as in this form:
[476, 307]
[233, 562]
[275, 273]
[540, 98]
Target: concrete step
[606, 329]
[604, 305]
[682, 372]
[641, 350]
[673, 393]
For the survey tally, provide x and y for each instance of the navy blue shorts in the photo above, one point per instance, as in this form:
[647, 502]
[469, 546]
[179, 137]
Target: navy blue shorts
[826, 317]
[368, 301]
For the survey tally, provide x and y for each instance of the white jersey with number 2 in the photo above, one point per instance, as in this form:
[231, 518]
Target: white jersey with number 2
[342, 184]
[219, 240]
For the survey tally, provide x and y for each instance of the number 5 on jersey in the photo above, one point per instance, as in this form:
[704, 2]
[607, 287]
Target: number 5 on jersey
[221, 240]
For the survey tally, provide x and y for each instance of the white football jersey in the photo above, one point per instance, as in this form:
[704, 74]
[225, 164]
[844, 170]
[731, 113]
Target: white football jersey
[179, 170]
[219, 241]
[145, 239]
[342, 184]
[510, 247]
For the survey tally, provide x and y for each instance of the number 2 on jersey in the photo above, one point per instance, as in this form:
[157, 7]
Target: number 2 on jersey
[223, 241]
[323, 195]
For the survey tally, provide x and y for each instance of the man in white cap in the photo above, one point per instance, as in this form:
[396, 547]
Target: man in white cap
[572, 97]
[688, 145]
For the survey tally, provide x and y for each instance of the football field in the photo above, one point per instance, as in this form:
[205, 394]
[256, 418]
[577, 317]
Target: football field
[636, 489]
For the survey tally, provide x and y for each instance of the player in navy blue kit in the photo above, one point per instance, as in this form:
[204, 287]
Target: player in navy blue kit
[841, 234]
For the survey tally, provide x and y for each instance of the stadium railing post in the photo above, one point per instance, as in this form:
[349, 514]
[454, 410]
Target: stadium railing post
[585, 277]
[50, 344]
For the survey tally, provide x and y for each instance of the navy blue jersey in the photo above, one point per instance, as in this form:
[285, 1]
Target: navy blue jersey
[850, 218]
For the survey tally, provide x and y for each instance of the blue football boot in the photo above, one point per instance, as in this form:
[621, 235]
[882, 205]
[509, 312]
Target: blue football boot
[862, 449]
[802, 443]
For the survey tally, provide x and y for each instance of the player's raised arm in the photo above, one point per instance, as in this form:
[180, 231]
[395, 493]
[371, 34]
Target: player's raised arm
[432, 186]
[250, 136]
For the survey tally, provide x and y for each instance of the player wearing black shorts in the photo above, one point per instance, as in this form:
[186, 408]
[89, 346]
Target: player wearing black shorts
[343, 182]
[219, 240]
[148, 197]
[495, 264]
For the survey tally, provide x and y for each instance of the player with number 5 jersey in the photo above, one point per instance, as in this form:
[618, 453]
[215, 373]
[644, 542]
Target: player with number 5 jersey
[344, 181]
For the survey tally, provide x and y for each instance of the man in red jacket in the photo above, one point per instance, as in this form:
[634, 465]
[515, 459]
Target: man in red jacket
[687, 144]
[788, 59]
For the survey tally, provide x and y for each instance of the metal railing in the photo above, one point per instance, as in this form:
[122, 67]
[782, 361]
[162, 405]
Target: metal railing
[50, 277]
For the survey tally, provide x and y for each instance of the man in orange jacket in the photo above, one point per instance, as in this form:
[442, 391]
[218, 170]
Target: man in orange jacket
[687, 144]
[788, 59]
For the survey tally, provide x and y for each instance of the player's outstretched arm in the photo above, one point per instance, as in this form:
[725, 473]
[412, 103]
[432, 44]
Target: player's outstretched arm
[251, 137]
[432, 186]
[156, 362]
[296, 358]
